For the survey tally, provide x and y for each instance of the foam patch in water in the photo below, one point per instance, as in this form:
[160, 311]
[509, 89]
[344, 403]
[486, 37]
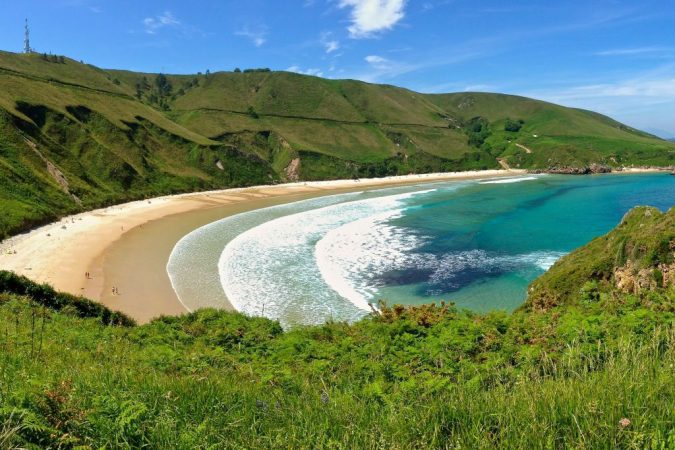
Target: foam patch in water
[509, 180]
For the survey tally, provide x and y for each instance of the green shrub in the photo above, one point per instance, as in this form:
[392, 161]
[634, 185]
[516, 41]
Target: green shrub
[513, 125]
[45, 295]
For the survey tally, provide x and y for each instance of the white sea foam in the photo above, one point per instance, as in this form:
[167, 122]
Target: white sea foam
[543, 259]
[203, 247]
[444, 269]
[271, 270]
[361, 249]
[354, 257]
[510, 180]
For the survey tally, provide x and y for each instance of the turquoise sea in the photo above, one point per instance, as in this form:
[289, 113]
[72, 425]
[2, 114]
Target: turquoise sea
[477, 243]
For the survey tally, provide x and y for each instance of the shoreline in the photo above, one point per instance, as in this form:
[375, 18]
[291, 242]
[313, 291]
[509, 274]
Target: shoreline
[599, 170]
[127, 246]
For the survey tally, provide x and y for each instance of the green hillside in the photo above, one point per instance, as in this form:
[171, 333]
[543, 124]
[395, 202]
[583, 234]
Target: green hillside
[556, 136]
[592, 369]
[74, 137]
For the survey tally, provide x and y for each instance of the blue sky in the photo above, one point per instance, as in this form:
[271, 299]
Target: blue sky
[615, 57]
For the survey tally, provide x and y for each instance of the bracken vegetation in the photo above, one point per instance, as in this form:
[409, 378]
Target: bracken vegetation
[592, 369]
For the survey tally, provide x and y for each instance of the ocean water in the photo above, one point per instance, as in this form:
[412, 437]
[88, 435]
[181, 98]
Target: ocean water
[476, 243]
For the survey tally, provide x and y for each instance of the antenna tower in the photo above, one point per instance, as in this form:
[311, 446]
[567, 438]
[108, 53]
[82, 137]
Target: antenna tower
[26, 39]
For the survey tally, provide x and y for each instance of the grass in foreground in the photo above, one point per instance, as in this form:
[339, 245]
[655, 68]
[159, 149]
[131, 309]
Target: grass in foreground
[219, 379]
[592, 369]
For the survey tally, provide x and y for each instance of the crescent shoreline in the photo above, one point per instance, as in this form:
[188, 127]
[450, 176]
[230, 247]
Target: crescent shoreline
[127, 246]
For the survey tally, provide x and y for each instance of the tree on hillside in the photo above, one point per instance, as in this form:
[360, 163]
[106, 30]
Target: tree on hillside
[163, 85]
[513, 125]
[478, 129]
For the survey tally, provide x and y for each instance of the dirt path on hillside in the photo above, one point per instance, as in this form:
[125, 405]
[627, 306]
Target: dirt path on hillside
[527, 150]
[502, 162]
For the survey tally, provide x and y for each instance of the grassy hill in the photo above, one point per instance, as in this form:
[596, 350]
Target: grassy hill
[592, 369]
[556, 136]
[73, 136]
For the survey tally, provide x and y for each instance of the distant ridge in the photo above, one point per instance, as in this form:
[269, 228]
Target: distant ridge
[74, 136]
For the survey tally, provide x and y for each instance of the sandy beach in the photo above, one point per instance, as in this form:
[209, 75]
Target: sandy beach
[127, 246]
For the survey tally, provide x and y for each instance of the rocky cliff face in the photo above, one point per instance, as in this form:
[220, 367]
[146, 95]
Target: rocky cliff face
[586, 170]
[633, 280]
[292, 171]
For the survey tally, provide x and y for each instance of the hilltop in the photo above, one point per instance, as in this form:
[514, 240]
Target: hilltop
[74, 136]
[589, 367]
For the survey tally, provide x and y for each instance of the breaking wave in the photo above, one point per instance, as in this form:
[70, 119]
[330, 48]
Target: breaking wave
[509, 180]
[270, 270]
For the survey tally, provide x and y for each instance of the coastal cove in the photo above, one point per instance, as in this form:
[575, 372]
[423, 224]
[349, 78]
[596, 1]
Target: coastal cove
[353, 224]
[104, 243]
[128, 246]
[477, 243]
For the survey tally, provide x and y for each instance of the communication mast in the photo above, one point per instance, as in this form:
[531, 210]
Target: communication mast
[26, 39]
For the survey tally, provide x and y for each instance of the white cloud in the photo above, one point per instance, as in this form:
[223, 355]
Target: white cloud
[428, 6]
[331, 46]
[328, 43]
[154, 24]
[370, 17]
[654, 90]
[654, 51]
[377, 61]
[258, 37]
[88, 4]
[313, 72]
[384, 69]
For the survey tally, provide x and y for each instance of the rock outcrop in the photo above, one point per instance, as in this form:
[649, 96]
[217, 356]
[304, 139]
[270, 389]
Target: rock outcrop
[586, 170]
[632, 280]
[292, 170]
